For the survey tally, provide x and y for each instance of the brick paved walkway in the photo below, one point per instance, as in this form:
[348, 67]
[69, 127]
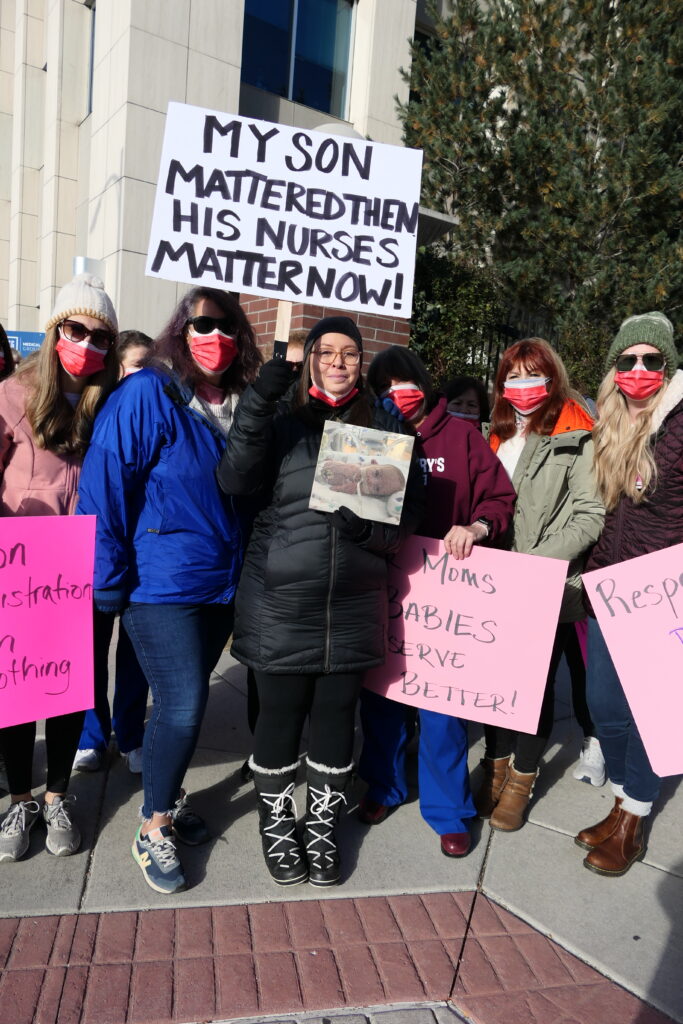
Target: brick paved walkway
[203, 964]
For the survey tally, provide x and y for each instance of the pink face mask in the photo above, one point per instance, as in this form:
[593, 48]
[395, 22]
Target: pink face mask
[407, 398]
[526, 396]
[332, 400]
[214, 352]
[639, 384]
[79, 358]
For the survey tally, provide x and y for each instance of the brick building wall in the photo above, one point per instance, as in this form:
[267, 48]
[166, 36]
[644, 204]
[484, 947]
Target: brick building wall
[377, 331]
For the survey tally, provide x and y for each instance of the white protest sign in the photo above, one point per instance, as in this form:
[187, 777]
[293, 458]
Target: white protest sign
[271, 210]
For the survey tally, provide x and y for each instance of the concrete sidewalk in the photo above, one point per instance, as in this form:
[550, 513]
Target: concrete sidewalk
[518, 931]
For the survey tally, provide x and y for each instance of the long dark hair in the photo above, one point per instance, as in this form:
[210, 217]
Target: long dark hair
[171, 346]
[538, 356]
[404, 365]
[6, 350]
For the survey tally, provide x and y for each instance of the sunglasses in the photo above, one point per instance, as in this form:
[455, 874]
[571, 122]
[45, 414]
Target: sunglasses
[653, 361]
[207, 324]
[73, 331]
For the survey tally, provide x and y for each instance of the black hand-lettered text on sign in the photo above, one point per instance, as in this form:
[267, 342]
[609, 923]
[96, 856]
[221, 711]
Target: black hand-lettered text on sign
[272, 210]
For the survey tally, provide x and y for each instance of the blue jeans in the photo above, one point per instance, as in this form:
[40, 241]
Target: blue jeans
[130, 693]
[627, 762]
[445, 799]
[177, 646]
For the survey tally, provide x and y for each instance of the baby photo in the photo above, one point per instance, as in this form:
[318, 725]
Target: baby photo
[364, 469]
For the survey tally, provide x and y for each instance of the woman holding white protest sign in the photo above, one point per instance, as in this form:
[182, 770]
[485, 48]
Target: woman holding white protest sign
[46, 414]
[469, 501]
[311, 607]
[639, 469]
[169, 544]
[541, 434]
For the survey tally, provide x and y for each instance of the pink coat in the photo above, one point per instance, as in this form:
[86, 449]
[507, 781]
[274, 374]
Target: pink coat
[33, 481]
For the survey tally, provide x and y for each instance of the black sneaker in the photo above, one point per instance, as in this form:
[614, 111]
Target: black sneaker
[159, 862]
[188, 827]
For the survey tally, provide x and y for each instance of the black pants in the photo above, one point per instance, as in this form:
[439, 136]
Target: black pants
[527, 748]
[285, 701]
[62, 734]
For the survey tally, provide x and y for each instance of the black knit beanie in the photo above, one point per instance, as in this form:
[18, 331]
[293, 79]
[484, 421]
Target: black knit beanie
[333, 325]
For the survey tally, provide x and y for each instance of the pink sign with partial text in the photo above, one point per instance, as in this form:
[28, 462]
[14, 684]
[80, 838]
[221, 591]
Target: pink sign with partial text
[46, 620]
[470, 638]
[639, 608]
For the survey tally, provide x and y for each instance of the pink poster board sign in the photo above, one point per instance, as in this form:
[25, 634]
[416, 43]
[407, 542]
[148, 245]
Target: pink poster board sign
[46, 631]
[472, 638]
[639, 608]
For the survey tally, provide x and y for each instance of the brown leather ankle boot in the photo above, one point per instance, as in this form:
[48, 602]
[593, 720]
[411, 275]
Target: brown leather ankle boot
[508, 814]
[495, 774]
[619, 850]
[589, 838]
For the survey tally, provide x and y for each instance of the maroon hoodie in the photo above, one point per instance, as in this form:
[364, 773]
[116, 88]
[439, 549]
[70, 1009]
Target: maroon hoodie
[464, 479]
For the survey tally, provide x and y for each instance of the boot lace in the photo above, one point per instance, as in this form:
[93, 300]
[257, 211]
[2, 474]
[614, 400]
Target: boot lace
[281, 827]
[320, 824]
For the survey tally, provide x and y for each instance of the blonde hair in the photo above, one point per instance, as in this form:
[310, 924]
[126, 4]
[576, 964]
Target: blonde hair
[623, 452]
[56, 426]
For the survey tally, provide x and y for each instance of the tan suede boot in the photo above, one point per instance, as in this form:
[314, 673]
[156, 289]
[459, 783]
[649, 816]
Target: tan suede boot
[589, 838]
[495, 774]
[508, 814]
[622, 848]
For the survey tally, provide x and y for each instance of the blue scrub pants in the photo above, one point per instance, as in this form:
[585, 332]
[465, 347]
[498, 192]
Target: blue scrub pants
[444, 785]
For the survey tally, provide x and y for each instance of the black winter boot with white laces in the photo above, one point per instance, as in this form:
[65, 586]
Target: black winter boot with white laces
[277, 815]
[325, 797]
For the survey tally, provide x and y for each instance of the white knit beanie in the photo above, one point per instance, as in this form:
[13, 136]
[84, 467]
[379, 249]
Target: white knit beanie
[84, 296]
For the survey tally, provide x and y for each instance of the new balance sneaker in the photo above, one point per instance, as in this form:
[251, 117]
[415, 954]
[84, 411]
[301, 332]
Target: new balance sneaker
[16, 828]
[134, 760]
[88, 760]
[188, 827]
[158, 860]
[591, 764]
[63, 835]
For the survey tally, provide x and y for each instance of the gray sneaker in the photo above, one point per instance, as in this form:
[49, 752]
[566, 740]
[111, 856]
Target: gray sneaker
[16, 828]
[63, 836]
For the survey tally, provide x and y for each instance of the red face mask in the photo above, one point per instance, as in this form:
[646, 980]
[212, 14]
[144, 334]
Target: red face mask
[639, 384]
[407, 398]
[214, 352]
[332, 400]
[526, 396]
[79, 358]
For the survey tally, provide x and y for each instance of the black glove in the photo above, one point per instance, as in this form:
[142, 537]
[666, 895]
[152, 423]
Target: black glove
[350, 525]
[274, 380]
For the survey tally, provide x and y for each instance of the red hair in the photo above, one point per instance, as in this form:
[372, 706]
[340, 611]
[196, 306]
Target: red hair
[540, 360]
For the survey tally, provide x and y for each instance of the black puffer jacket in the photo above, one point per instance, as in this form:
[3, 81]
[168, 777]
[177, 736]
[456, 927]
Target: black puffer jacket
[309, 600]
[631, 530]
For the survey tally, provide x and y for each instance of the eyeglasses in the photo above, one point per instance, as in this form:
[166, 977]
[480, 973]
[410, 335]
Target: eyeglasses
[73, 331]
[207, 324]
[328, 356]
[652, 361]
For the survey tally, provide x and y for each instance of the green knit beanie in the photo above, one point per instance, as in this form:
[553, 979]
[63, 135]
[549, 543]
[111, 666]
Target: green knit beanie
[646, 329]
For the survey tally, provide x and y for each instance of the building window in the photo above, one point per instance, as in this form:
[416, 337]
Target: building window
[299, 49]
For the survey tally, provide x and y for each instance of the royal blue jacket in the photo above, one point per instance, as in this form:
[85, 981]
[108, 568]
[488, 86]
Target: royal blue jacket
[165, 531]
